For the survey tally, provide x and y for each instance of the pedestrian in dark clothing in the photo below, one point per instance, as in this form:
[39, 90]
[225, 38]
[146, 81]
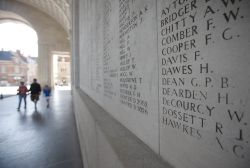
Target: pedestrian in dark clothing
[47, 93]
[35, 90]
[22, 90]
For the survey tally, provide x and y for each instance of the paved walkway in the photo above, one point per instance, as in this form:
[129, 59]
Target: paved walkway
[46, 138]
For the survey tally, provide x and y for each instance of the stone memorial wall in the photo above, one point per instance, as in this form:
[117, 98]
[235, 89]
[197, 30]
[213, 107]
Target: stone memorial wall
[203, 86]
[175, 73]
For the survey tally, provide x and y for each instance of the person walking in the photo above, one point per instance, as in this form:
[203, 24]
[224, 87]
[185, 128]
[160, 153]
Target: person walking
[35, 90]
[47, 93]
[22, 90]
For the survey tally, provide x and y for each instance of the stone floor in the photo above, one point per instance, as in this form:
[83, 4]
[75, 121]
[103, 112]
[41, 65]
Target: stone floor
[46, 138]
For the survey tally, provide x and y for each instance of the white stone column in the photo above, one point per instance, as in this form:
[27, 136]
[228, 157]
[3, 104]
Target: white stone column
[44, 64]
[75, 45]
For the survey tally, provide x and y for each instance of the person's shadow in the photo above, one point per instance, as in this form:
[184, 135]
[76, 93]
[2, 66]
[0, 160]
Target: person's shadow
[23, 115]
[37, 117]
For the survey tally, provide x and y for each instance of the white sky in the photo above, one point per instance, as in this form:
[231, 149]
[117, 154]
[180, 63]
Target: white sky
[18, 36]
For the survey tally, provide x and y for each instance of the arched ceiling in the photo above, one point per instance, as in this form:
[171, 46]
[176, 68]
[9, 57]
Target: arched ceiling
[60, 10]
[10, 16]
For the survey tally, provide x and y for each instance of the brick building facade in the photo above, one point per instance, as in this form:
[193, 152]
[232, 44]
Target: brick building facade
[13, 68]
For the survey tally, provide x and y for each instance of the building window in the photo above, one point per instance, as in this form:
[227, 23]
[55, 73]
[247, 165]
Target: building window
[3, 69]
[17, 70]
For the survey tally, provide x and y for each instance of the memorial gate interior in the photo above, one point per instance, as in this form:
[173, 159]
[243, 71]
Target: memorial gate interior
[173, 72]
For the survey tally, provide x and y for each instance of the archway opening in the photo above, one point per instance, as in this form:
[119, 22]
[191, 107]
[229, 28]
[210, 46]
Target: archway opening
[18, 55]
[61, 71]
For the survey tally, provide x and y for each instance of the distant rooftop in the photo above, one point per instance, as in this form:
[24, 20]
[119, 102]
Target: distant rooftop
[5, 55]
[31, 60]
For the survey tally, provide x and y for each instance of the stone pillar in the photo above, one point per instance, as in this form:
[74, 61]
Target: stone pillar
[75, 45]
[44, 64]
